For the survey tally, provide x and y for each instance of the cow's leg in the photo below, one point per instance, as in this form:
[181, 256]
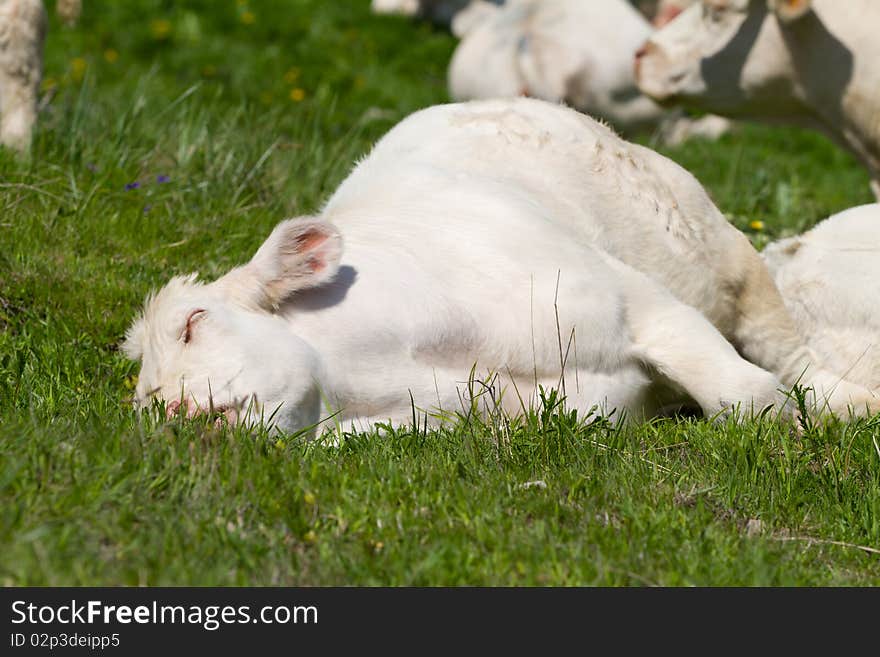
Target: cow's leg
[680, 345]
[22, 33]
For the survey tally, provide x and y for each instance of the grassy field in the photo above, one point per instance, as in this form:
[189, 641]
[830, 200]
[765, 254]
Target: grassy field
[174, 136]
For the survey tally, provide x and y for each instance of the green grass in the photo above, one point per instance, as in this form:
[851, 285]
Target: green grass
[91, 493]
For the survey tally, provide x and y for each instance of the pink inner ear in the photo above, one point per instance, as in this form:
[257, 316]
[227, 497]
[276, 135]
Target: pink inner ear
[310, 241]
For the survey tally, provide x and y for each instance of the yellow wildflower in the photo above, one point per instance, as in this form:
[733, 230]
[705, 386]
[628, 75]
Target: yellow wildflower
[309, 498]
[78, 68]
[297, 94]
[291, 75]
[160, 28]
[110, 55]
[247, 17]
[757, 224]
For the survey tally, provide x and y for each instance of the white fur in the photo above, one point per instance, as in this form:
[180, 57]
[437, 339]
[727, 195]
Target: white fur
[22, 32]
[811, 63]
[580, 52]
[485, 235]
[442, 12]
[668, 10]
[829, 278]
[22, 35]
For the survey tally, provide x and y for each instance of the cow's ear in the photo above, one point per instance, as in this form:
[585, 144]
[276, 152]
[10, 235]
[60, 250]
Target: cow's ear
[790, 10]
[299, 254]
[779, 253]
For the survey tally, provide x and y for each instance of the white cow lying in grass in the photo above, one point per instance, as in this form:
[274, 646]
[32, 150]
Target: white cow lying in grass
[580, 52]
[22, 34]
[829, 278]
[811, 62]
[516, 236]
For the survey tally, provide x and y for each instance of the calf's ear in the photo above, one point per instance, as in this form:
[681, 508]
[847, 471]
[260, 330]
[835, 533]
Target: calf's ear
[790, 10]
[299, 254]
[777, 254]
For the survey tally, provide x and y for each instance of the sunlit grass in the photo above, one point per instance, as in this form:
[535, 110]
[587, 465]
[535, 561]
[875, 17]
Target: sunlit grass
[174, 137]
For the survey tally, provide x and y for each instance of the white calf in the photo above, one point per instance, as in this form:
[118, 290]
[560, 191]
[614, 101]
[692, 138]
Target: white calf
[829, 278]
[810, 62]
[580, 52]
[441, 12]
[517, 236]
[668, 10]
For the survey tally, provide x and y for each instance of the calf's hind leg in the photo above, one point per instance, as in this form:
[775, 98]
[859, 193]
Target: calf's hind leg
[680, 344]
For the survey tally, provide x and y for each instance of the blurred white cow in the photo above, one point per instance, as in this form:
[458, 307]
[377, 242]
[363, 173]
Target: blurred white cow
[668, 10]
[22, 34]
[811, 62]
[829, 278]
[580, 52]
[68, 10]
[441, 12]
[516, 237]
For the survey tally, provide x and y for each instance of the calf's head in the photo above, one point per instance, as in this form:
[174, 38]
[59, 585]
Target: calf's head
[725, 56]
[224, 347]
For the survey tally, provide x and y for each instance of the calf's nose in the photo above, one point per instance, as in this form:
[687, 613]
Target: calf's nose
[666, 16]
[172, 408]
